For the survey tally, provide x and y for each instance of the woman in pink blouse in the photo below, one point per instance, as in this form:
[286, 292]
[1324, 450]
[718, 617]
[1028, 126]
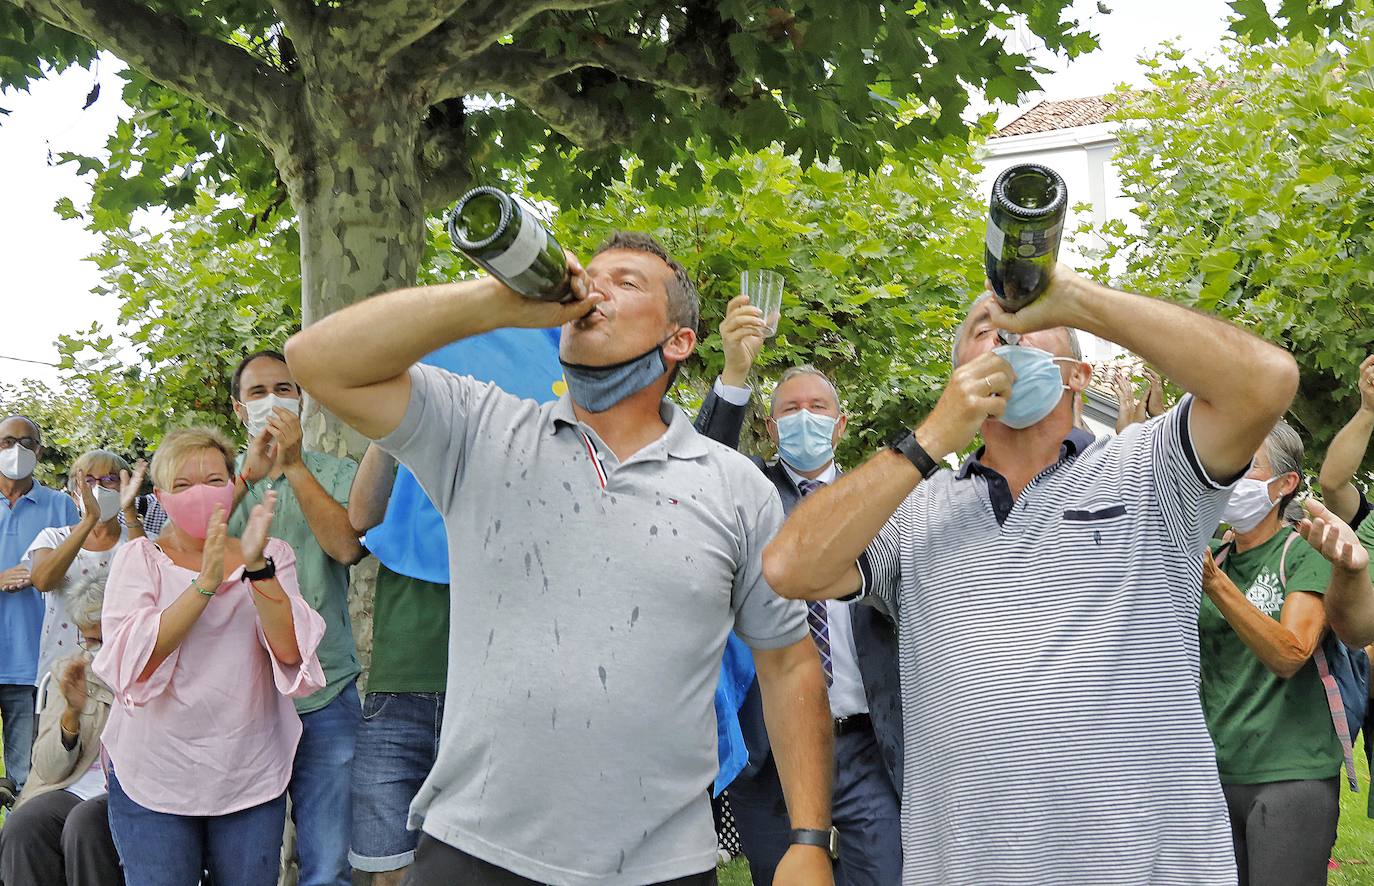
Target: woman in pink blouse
[207, 640]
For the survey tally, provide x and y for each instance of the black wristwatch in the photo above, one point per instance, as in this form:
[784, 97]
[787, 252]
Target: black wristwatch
[262, 574]
[907, 445]
[829, 840]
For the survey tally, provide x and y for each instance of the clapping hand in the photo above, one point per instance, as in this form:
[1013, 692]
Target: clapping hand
[284, 427]
[130, 484]
[90, 508]
[212, 555]
[1366, 384]
[73, 683]
[14, 579]
[1332, 537]
[254, 538]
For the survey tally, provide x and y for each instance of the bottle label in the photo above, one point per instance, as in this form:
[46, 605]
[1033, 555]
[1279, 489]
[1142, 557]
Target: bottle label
[996, 236]
[529, 241]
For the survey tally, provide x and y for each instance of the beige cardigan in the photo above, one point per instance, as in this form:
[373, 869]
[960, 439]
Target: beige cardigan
[54, 765]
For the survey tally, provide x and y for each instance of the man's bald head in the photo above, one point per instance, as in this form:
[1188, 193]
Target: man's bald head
[16, 425]
[977, 323]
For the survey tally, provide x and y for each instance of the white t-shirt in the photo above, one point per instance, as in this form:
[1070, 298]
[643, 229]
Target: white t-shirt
[59, 635]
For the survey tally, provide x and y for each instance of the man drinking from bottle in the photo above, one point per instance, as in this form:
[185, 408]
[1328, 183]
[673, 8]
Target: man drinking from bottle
[606, 552]
[1047, 594]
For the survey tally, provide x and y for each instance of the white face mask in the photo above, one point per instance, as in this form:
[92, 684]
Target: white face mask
[260, 410]
[17, 462]
[1248, 506]
[106, 500]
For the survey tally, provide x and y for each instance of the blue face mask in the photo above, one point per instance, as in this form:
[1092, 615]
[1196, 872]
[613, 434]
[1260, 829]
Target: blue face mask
[1038, 386]
[804, 439]
[598, 388]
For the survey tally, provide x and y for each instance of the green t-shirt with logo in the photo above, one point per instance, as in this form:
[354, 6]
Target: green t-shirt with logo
[409, 634]
[1265, 728]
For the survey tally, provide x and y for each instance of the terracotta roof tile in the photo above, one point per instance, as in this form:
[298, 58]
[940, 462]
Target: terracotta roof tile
[1048, 116]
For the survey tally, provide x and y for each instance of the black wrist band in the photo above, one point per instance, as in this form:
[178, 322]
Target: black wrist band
[907, 444]
[262, 574]
[827, 839]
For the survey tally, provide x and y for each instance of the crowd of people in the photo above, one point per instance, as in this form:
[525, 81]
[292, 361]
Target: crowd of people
[1066, 658]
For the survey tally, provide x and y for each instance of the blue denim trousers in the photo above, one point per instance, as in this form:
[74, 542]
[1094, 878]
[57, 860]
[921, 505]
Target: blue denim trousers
[321, 790]
[16, 712]
[397, 744]
[158, 849]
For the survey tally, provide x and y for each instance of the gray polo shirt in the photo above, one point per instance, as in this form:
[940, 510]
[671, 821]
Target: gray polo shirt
[579, 738]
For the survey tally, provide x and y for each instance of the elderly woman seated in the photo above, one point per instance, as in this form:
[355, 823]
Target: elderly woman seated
[59, 831]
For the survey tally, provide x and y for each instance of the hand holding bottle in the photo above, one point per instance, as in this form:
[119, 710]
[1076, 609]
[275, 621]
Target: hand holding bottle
[1057, 306]
[518, 311]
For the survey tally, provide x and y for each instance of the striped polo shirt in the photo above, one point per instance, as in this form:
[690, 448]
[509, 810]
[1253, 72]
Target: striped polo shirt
[1049, 665]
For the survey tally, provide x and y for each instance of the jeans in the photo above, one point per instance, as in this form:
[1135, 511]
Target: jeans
[17, 714]
[239, 849]
[321, 790]
[59, 838]
[397, 744]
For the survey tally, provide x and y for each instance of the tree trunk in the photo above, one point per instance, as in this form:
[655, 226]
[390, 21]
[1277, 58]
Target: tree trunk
[354, 182]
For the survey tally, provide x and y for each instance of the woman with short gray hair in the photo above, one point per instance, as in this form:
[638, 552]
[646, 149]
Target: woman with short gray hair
[59, 832]
[1259, 626]
[104, 487]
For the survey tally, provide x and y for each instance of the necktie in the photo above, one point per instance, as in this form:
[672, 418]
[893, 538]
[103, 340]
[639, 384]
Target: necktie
[815, 609]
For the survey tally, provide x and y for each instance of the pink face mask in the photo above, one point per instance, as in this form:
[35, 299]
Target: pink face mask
[191, 509]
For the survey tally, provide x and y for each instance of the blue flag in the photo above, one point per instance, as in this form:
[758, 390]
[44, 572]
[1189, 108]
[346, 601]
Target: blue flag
[412, 540]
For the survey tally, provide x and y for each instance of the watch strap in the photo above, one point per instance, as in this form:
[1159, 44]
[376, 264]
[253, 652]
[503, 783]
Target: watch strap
[827, 839]
[263, 574]
[915, 453]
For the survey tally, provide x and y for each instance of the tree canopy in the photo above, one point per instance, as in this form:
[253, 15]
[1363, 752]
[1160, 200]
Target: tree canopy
[1251, 181]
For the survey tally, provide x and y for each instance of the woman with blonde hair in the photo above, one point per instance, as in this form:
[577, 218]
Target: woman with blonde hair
[207, 640]
[103, 487]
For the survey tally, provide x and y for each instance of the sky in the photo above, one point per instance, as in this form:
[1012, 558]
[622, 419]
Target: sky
[47, 282]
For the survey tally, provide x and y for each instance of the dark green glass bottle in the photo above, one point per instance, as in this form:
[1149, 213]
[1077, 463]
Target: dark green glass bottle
[505, 237]
[1025, 222]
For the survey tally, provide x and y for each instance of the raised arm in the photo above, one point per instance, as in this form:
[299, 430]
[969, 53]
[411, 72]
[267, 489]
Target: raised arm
[741, 337]
[1347, 451]
[1241, 385]
[326, 517]
[814, 556]
[1349, 597]
[355, 361]
[371, 491]
[48, 566]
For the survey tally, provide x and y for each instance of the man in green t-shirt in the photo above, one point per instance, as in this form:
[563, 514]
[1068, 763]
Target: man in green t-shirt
[404, 705]
[312, 500]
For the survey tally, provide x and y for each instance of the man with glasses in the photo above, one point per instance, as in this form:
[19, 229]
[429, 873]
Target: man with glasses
[28, 508]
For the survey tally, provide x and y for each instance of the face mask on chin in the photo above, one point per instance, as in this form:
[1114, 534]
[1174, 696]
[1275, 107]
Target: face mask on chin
[598, 388]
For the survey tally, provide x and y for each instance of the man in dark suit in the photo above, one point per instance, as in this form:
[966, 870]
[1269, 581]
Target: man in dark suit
[858, 646]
